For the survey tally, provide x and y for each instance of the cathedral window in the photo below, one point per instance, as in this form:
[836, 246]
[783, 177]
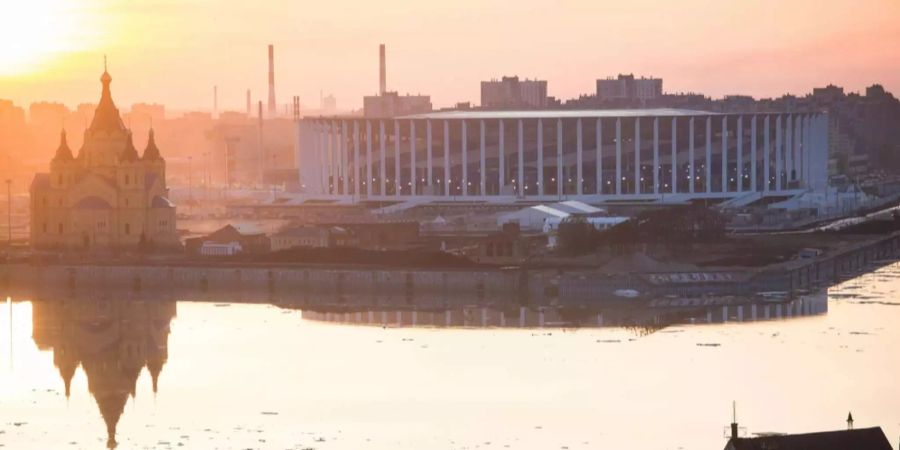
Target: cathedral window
[45, 201]
[44, 227]
[127, 228]
[60, 228]
[127, 179]
[60, 179]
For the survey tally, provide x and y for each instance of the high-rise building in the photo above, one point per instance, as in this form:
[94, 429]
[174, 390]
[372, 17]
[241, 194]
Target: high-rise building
[627, 87]
[510, 92]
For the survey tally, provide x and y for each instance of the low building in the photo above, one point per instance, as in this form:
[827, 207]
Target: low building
[508, 246]
[861, 439]
[534, 218]
[249, 241]
[300, 237]
[392, 104]
[374, 235]
[209, 248]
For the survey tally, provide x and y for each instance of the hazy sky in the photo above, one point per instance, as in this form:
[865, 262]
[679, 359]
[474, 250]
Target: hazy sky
[174, 51]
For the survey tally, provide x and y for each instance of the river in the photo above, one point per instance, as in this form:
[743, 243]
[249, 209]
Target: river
[157, 373]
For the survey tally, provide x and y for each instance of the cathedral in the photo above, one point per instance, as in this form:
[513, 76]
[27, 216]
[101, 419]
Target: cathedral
[106, 197]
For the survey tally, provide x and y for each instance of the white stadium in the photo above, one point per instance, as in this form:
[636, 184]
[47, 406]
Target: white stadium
[594, 156]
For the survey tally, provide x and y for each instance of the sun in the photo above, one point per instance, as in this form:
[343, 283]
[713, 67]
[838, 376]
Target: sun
[34, 32]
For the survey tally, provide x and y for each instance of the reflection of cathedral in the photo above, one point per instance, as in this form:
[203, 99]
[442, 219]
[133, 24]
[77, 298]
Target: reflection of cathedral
[112, 340]
[107, 195]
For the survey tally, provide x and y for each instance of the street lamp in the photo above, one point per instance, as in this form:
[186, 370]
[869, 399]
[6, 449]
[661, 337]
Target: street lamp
[9, 212]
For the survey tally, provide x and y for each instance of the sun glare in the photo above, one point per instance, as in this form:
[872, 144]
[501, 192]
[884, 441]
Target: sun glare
[34, 32]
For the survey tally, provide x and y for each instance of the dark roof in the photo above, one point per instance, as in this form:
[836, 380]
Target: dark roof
[106, 116]
[130, 153]
[159, 201]
[229, 233]
[63, 152]
[92, 202]
[861, 439]
[151, 153]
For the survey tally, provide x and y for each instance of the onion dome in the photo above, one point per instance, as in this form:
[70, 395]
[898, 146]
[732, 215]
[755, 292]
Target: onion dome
[130, 153]
[151, 153]
[63, 152]
[106, 116]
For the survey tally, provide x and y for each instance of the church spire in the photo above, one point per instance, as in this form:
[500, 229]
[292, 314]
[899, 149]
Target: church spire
[106, 116]
[151, 152]
[63, 152]
[130, 153]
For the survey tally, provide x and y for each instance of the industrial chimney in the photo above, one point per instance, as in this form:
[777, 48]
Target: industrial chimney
[272, 106]
[215, 101]
[382, 71]
[249, 106]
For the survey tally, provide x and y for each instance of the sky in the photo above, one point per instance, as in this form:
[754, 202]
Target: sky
[174, 51]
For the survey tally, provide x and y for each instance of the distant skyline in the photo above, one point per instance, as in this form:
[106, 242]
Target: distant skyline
[173, 51]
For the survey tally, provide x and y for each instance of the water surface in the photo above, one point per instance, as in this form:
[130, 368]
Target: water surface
[156, 373]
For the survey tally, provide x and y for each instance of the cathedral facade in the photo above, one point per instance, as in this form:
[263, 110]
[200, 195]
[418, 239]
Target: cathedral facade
[106, 197]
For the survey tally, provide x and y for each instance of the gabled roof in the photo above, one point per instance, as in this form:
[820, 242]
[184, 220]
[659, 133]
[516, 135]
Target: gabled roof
[861, 439]
[92, 202]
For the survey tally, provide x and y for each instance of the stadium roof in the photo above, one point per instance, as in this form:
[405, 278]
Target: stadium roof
[558, 114]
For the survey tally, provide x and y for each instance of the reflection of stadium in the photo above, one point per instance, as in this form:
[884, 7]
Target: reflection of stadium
[112, 340]
[652, 314]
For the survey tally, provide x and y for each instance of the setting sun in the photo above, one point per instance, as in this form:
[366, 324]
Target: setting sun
[33, 33]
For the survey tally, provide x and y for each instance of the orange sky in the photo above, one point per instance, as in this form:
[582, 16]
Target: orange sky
[174, 51]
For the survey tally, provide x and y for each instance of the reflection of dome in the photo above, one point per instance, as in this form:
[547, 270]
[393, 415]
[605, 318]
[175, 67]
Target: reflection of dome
[111, 340]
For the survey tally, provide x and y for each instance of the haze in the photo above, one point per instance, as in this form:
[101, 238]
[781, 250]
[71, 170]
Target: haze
[173, 52]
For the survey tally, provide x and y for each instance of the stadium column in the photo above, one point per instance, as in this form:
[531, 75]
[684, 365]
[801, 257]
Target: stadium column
[520, 181]
[599, 156]
[618, 156]
[482, 173]
[691, 175]
[708, 165]
[335, 156]
[739, 162]
[413, 173]
[381, 160]
[799, 141]
[540, 157]
[446, 158]
[753, 161]
[656, 155]
[724, 153]
[637, 155]
[345, 177]
[559, 158]
[809, 146]
[398, 188]
[674, 162]
[368, 181]
[465, 160]
[429, 160]
[501, 173]
[357, 183]
[789, 148]
[767, 148]
[779, 167]
[579, 152]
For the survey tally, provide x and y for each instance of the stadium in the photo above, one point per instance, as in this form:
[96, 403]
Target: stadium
[596, 156]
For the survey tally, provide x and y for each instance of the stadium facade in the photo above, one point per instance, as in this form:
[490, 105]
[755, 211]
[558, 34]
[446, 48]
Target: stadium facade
[594, 156]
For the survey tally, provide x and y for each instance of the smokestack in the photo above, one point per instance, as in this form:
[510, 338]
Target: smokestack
[262, 156]
[382, 71]
[272, 107]
[249, 105]
[215, 101]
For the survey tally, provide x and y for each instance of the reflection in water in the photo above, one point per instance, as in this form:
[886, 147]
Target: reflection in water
[642, 317]
[112, 340]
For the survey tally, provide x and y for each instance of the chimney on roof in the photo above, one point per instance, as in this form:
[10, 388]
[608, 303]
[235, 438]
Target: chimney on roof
[734, 425]
[272, 107]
